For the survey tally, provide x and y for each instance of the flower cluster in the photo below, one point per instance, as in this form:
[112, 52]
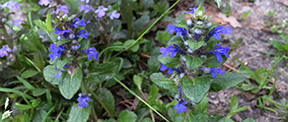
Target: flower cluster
[100, 11]
[12, 5]
[4, 51]
[82, 99]
[195, 35]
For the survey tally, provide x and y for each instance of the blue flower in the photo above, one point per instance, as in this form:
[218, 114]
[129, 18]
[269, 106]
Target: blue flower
[82, 99]
[11, 5]
[194, 9]
[181, 106]
[179, 31]
[4, 51]
[63, 32]
[114, 14]
[219, 29]
[76, 23]
[171, 48]
[180, 90]
[44, 2]
[76, 47]
[63, 8]
[82, 34]
[171, 70]
[56, 51]
[58, 74]
[213, 71]
[91, 52]
[218, 50]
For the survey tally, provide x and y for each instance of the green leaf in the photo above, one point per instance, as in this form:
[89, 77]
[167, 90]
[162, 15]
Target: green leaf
[236, 111]
[249, 120]
[107, 98]
[171, 62]
[280, 46]
[135, 47]
[175, 116]
[195, 89]
[49, 73]
[41, 25]
[153, 94]
[79, 114]
[48, 22]
[234, 103]
[29, 73]
[71, 84]
[138, 81]
[200, 12]
[162, 81]
[127, 116]
[163, 36]
[203, 105]
[229, 79]
[195, 45]
[39, 116]
[101, 72]
[246, 14]
[58, 43]
[25, 83]
[38, 92]
[192, 62]
[127, 15]
[175, 40]
[153, 64]
[212, 60]
[147, 119]
[140, 23]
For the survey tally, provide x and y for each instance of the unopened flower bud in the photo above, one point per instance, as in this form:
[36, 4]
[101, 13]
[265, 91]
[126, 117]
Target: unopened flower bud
[3, 20]
[71, 36]
[208, 25]
[199, 22]
[198, 31]
[74, 41]
[189, 22]
[206, 69]
[86, 70]
[59, 38]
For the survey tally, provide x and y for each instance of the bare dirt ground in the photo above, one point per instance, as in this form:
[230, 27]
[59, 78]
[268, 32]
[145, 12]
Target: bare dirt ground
[255, 36]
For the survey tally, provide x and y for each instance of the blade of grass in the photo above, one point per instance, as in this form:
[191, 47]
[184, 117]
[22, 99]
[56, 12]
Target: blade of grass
[133, 93]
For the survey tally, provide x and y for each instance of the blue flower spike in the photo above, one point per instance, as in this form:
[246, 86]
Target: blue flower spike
[213, 71]
[91, 53]
[181, 106]
[173, 49]
[56, 51]
[77, 22]
[171, 70]
[179, 31]
[64, 32]
[219, 29]
[218, 50]
[82, 99]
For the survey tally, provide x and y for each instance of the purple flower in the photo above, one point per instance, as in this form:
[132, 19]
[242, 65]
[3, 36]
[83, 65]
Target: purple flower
[4, 50]
[58, 74]
[85, 8]
[219, 29]
[11, 5]
[194, 9]
[179, 31]
[91, 52]
[213, 71]
[114, 14]
[82, 34]
[63, 8]
[44, 2]
[56, 51]
[171, 48]
[63, 32]
[17, 22]
[218, 50]
[77, 22]
[180, 89]
[171, 70]
[101, 11]
[181, 106]
[83, 98]
[86, 1]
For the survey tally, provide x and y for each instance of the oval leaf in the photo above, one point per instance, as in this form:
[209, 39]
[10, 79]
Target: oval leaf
[127, 116]
[78, 114]
[162, 81]
[229, 79]
[195, 89]
[71, 84]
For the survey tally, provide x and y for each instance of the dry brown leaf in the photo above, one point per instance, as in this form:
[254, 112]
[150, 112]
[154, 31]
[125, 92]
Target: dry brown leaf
[232, 20]
[285, 2]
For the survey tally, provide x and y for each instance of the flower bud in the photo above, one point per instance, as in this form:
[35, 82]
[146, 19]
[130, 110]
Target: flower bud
[59, 38]
[71, 36]
[208, 25]
[3, 20]
[198, 31]
[189, 23]
[74, 41]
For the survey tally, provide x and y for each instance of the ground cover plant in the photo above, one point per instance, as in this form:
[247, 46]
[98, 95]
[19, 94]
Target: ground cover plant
[124, 61]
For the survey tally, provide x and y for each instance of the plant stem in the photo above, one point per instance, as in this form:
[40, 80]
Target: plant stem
[133, 93]
[136, 41]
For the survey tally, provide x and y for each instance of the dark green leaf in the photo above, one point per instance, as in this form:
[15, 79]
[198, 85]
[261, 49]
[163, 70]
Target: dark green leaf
[163, 36]
[172, 62]
[229, 79]
[195, 45]
[127, 15]
[138, 81]
[29, 73]
[101, 72]
[128, 43]
[195, 89]
[249, 120]
[212, 60]
[153, 64]
[192, 62]
[234, 103]
[203, 105]
[71, 84]
[280, 46]
[25, 83]
[140, 23]
[49, 73]
[175, 40]
[107, 98]
[79, 114]
[162, 81]
[127, 116]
